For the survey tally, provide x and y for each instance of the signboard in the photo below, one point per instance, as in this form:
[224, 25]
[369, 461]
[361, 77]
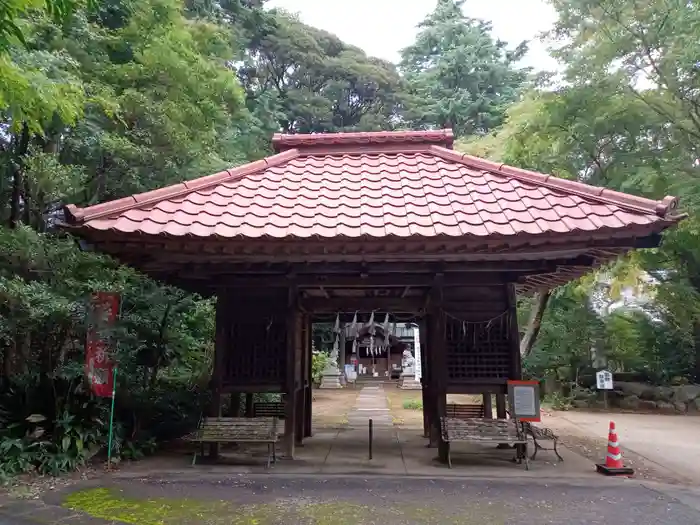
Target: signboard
[524, 397]
[104, 308]
[604, 380]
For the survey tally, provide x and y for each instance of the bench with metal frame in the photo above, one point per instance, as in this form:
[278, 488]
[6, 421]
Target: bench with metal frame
[464, 411]
[479, 430]
[237, 430]
[542, 434]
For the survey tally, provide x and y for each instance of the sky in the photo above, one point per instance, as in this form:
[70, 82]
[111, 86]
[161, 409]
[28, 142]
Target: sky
[383, 27]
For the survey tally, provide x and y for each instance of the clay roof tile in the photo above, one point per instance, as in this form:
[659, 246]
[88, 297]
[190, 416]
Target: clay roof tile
[375, 184]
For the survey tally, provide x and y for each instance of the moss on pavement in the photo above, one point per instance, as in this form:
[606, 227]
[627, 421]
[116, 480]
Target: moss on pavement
[111, 504]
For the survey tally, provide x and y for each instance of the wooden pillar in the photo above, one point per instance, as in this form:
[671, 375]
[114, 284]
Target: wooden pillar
[425, 383]
[431, 392]
[441, 383]
[488, 406]
[309, 390]
[341, 355]
[291, 364]
[235, 407]
[249, 405]
[516, 369]
[221, 344]
[438, 375]
[299, 430]
[501, 406]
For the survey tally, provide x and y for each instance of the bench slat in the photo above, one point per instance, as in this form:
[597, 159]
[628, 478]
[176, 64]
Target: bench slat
[236, 430]
[478, 429]
[462, 411]
[271, 409]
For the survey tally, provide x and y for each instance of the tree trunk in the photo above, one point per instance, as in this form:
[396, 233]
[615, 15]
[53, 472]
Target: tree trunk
[535, 322]
[18, 177]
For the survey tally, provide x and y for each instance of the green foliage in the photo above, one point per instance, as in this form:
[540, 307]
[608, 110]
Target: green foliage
[626, 120]
[458, 76]
[319, 362]
[301, 79]
[413, 404]
[558, 401]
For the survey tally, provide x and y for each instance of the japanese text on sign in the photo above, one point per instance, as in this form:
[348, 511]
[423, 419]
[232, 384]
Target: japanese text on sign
[604, 380]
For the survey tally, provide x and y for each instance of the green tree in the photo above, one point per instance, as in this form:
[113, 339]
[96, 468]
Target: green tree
[608, 127]
[458, 75]
[300, 79]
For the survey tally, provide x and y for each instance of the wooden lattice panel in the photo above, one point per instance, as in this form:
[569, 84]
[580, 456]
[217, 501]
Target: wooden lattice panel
[256, 351]
[479, 350]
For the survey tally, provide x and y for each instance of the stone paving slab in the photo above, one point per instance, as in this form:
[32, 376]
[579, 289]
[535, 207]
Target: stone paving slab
[370, 403]
[37, 512]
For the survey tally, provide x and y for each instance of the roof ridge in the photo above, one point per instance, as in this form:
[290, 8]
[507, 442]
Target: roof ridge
[282, 142]
[598, 193]
[97, 211]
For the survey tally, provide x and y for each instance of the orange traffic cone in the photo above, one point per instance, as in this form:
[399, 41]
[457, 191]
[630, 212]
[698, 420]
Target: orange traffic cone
[613, 465]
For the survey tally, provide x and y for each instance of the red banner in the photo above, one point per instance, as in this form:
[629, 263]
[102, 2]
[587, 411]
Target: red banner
[104, 308]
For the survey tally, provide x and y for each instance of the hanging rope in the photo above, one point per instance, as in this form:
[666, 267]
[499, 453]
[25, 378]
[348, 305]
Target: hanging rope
[483, 326]
[485, 321]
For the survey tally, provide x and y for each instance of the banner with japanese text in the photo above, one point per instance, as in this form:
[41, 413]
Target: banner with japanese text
[104, 308]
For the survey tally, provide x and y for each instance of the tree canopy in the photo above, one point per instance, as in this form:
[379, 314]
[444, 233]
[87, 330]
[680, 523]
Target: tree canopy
[458, 75]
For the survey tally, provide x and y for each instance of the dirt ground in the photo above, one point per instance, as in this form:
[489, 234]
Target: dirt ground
[659, 447]
[411, 417]
[330, 407]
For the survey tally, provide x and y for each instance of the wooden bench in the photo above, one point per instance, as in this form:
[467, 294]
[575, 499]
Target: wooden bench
[465, 411]
[237, 430]
[479, 430]
[542, 434]
[269, 409]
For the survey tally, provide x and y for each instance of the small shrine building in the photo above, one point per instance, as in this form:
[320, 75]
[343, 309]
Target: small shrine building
[371, 222]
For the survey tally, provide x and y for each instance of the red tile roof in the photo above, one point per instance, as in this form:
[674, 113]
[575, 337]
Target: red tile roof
[375, 184]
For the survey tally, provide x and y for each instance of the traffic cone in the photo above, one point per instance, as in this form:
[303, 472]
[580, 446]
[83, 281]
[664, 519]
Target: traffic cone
[613, 465]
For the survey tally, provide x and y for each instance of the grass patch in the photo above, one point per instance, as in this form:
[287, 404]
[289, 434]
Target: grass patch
[413, 404]
[110, 504]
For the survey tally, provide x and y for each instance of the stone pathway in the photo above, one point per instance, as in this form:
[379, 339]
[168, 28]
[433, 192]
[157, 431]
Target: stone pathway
[370, 404]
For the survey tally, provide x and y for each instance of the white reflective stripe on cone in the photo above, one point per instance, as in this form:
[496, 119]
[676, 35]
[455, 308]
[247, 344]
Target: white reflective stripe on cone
[613, 443]
[616, 457]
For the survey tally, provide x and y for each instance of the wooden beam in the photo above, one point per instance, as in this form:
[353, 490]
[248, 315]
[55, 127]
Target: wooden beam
[315, 273]
[383, 280]
[318, 306]
[482, 387]
[252, 387]
[416, 249]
